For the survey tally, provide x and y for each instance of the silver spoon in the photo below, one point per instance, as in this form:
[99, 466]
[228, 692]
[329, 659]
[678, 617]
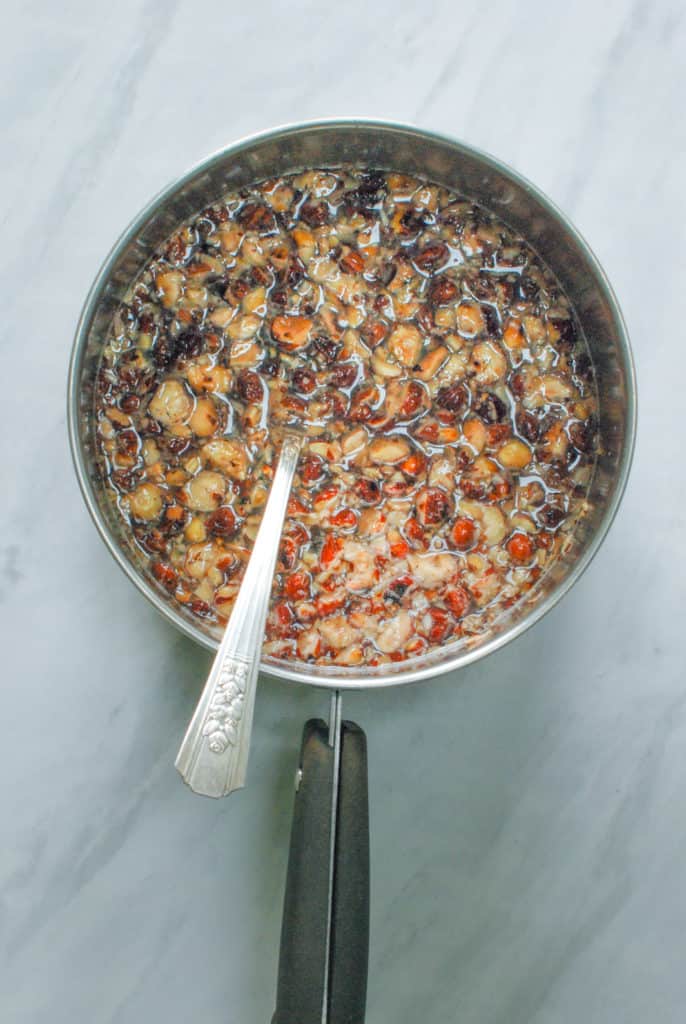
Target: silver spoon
[213, 757]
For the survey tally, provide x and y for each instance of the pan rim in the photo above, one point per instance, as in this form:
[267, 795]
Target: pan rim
[342, 678]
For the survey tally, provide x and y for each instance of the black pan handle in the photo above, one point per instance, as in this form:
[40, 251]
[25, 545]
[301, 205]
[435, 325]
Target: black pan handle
[312, 970]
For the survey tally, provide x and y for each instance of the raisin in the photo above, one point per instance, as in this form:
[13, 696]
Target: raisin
[200, 608]
[528, 426]
[433, 506]
[567, 331]
[425, 319]
[314, 214]
[163, 352]
[526, 289]
[452, 397]
[396, 591]
[279, 297]
[414, 399]
[129, 403]
[146, 323]
[472, 489]
[304, 381]
[432, 256]
[255, 217]
[165, 575]
[551, 515]
[189, 343]
[491, 319]
[176, 250]
[581, 436]
[443, 291]
[413, 221]
[249, 386]
[127, 441]
[177, 445]
[270, 367]
[222, 522]
[385, 274]
[372, 182]
[326, 349]
[368, 491]
[490, 408]
[343, 375]
[295, 271]
[582, 366]
[374, 332]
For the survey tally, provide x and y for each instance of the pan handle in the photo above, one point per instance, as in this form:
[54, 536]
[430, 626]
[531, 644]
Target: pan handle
[324, 954]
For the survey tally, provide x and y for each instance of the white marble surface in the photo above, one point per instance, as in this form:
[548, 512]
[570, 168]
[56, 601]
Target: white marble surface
[529, 833]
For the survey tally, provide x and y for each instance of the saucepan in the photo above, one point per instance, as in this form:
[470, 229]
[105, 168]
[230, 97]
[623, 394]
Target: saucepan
[323, 965]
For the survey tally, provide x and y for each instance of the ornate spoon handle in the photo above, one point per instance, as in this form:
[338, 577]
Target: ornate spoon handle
[213, 757]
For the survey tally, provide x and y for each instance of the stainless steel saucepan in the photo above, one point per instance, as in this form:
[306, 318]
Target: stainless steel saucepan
[323, 966]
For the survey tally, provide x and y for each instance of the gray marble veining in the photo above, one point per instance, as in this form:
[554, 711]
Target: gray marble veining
[529, 837]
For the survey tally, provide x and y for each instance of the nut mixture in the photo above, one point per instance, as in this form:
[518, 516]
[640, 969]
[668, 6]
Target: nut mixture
[437, 369]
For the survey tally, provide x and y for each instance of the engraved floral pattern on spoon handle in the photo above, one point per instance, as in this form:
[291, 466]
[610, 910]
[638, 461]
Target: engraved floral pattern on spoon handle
[214, 753]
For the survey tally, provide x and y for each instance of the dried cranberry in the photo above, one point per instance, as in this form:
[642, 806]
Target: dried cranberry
[304, 381]
[249, 386]
[452, 397]
[311, 468]
[352, 263]
[490, 408]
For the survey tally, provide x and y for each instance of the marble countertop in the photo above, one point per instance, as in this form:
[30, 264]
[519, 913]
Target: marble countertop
[528, 825]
